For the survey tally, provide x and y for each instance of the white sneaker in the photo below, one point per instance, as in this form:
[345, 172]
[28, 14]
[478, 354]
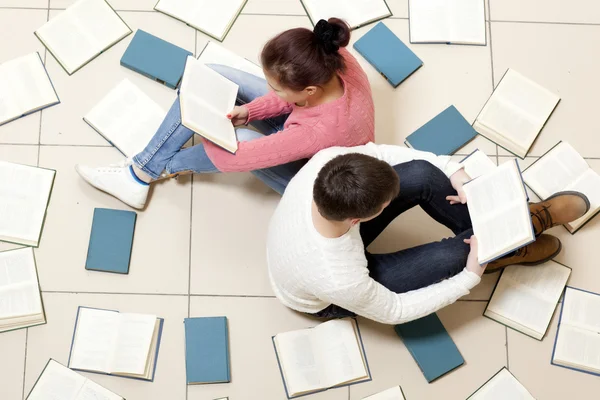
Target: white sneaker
[118, 181]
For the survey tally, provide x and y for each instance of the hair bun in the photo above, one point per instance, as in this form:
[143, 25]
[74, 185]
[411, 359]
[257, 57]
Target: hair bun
[327, 35]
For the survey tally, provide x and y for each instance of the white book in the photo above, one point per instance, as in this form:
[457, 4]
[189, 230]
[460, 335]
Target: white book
[25, 87]
[57, 382]
[356, 13]
[320, 358]
[502, 386]
[563, 169]
[478, 163]
[447, 21]
[127, 117]
[516, 113]
[81, 32]
[499, 211]
[214, 18]
[24, 196]
[216, 54]
[206, 97]
[525, 298]
[394, 393]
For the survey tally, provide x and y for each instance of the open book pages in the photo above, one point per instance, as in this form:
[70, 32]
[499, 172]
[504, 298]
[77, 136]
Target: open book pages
[127, 117]
[447, 21]
[24, 196]
[206, 98]
[563, 169]
[502, 386]
[499, 211]
[214, 18]
[25, 87]
[81, 32]
[58, 382]
[322, 357]
[216, 54]
[516, 113]
[478, 163]
[356, 13]
[525, 298]
[394, 393]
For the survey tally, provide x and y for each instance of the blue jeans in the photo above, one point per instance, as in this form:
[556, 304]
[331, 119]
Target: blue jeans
[165, 153]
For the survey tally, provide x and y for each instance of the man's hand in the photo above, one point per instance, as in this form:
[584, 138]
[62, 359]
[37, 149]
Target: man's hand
[238, 116]
[458, 179]
[472, 262]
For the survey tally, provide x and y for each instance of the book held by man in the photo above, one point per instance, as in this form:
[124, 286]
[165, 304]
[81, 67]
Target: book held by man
[394, 393]
[219, 55]
[502, 386]
[207, 350]
[477, 163]
[356, 13]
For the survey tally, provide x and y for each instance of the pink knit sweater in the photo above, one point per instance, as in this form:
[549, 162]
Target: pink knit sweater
[348, 121]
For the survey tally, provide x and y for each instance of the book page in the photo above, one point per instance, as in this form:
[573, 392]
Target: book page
[477, 164]
[503, 386]
[300, 361]
[466, 21]
[208, 86]
[57, 382]
[100, 22]
[581, 309]
[589, 184]
[215, 54]
[133, 343]
[203, 120]
[19, 290]
[354, 12]
[429, 21]
[94, 340]
[394, 393]
[92, 391]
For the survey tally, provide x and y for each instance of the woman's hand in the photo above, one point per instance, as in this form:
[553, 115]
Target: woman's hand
[458, 179]
[238, 116]
[472, 262]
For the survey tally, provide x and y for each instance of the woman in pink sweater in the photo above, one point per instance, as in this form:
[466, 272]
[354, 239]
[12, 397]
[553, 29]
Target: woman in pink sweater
[315, 96]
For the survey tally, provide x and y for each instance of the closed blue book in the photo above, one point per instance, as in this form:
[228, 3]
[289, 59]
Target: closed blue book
[444, 134]
[431, 346]
[388, 54]
[155, 58]
[207, 350]
[111, 241]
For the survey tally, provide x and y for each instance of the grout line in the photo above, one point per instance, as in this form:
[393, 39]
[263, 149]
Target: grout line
[189, 293]
[349, 387]
[25, 363]
[56, 145]
[547, 22]
[165, 294]
[506, 344]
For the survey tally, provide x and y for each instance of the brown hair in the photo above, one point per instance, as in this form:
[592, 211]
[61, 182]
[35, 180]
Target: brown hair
[299, 57]
[354, 186]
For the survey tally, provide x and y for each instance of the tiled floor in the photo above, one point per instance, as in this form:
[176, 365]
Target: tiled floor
[199, 246]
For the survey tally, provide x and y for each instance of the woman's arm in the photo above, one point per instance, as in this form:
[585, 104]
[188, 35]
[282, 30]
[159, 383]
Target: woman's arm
[267, 106]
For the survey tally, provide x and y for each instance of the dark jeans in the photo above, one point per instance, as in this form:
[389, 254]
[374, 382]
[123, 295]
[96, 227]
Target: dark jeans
[422, 184]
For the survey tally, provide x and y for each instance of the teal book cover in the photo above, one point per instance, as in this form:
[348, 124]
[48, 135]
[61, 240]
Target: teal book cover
[207, 350]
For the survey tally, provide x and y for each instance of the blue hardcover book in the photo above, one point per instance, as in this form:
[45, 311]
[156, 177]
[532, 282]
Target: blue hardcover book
[431, 346]
[388, 54]
[443, 135]
[155, 58]
[111, 241]
[207, 350]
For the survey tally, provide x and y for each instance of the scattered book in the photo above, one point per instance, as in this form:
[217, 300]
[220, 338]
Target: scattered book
[216, 54]
[57, 382]
[26, 87]
[207, 350]
[111, 241]
[478, 163]
[304, 372]
[443, 135]
[82, 32]
[387, 54]
[447, 21]
[356, 13]
[516, 113]
[431, 346]
[499, 210]
[503, 385]
[24, 199]
[525, 298]
[113, 343]
[127, 117]
[155, 58]
[394, 393]
[213, 18]
[20, 298]
[206, 98]
[563, 169]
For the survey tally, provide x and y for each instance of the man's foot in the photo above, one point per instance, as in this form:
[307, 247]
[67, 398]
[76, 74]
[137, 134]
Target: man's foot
[545, 248]
[558, 209]
[118, 181]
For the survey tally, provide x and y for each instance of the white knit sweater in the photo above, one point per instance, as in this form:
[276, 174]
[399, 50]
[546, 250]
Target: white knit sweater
[309, 272]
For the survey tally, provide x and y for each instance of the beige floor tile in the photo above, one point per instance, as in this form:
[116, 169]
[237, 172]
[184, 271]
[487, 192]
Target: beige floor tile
[278, 7]
[24, 3]
[145, 5]
[12, 364]
[53, 340]
[579, 11]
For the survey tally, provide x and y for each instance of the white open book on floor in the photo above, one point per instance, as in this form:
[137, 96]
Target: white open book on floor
[356, 13]
[447, 21]
[320, 358]
[563, 169]
[394, 393]
[499, 212]
[477, 163]
[25, 87]
[113, 343]
[516, 113]
[502, 386]
[216, 54]
[525, 297]
[127, 117]
[206, 98]
[57, 382]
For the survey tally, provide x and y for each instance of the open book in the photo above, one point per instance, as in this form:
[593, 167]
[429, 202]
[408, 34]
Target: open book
[25, 87]
[394, 393]
[206, 98]
[216, 54]
[563, 169]
[356, 13]
[57, 382]
[20, 299]
[502, 386]
[113, 343]
[525, 298]
[478, 163]
[82, 32]
[577, 343]
[516, 113]
[326, 356]
[499, 211]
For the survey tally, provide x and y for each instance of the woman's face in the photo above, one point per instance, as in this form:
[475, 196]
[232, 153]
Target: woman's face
[287, 94]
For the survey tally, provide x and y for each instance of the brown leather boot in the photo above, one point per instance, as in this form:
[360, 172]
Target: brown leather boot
[558, 209]
[545, 248]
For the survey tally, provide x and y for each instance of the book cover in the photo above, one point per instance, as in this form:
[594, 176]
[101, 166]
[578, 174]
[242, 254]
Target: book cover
[207, 350]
